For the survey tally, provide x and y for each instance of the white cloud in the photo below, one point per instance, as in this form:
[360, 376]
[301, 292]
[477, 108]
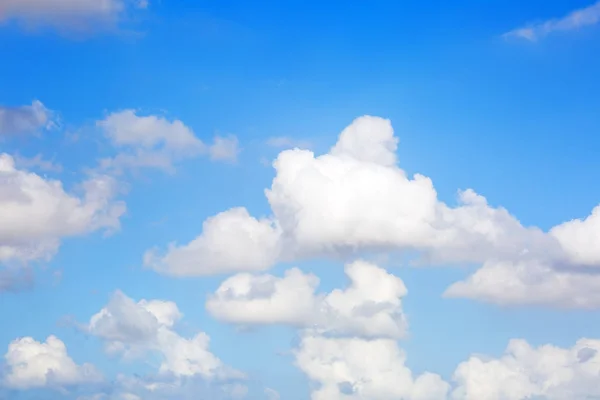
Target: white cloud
[370, 306]
[65, 14]
[35, 213]
[125, 128]
[531, 282]
[364, 369]
[524, 372]
[351, 368]
[224, 149]
[148, 141]
[31, 364]
[24, 119]
[156, 142]
[563, 279]
[581, 238]
[254, 243]
[124, 322]
[575, 20]
[146, 327]
[368, 139]
[355, 199]
[348, 367]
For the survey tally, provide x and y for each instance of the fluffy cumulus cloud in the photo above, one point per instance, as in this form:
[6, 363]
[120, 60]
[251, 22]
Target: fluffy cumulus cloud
[530, 282]
[137, 329]
[32, 364]
[67, 14]
[371, 306]
[581, 238]
[350, 368]
[577, 19]
[340, 369]
[146, 330]
[255, 245]
[355, 199]
[525, 372]
[560, 273]
[341, 330]
[156, 142]
[19, 120]
[35, 213]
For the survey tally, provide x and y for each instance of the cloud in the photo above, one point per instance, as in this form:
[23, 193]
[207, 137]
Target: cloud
[370, 306]
[339, 368]
[565, 281]
[146, 330]
[165, 388]
[351, 368]
[355, 199]
[138, 329]
[224, 149]
[156, 142]
[255, 242]
[575, 20]
[525, 372]
[529, 282]
[31, 364]
[148, 141]
[78, 15]
[23, 120]
[37, 162]
[580, 238]
[36, 213]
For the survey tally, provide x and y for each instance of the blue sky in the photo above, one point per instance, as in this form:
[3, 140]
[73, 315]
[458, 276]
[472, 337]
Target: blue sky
[128, 127]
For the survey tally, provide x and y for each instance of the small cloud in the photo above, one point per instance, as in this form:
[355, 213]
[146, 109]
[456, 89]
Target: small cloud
[27, 119]
[225, 149]
[153, 141]
[576, 19]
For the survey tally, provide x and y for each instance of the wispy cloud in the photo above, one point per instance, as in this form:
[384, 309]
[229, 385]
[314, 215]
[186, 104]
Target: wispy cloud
[153, 141]
[17, 120]
[68, 15]
[37, 162]
[225, 148]
[576, 19]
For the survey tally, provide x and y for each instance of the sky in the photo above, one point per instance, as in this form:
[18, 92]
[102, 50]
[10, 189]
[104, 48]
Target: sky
[299, 200]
